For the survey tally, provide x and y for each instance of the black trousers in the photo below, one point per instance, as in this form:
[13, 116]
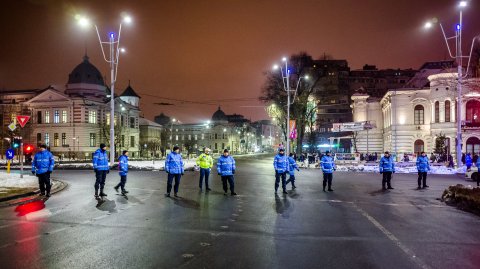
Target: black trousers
[100, 177]
[231, 182]
[291, 179]
[422, 178]
[123, 181]
[283, 176]
[170, 179]
[44, 182]
[327, 179]
[387, 179]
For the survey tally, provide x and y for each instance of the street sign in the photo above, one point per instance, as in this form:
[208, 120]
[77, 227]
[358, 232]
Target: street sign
[12, 126]
[10, 154]
[22, 120]
[293, 129]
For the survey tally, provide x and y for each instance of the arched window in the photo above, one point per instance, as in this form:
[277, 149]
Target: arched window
[473, 145]
[473, 111]
[437, 111]
[418, 146]
[418, 115]
[447, 111]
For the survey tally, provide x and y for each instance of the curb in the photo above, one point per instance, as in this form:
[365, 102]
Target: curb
[18, 199]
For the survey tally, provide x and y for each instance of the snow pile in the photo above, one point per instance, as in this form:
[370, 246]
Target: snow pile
[404, 169]
[141, 165]
[14, 181]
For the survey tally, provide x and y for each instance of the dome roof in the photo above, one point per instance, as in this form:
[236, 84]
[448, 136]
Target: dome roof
[87, 73]
[129, 92]
[219, 115]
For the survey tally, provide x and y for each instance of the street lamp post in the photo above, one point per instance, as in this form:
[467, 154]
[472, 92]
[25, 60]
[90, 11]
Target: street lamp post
[171, 132]
[286, 86]
[458, 58]
[113, 60]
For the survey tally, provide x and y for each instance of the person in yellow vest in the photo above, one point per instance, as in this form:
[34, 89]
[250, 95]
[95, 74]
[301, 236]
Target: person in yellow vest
[205, 161]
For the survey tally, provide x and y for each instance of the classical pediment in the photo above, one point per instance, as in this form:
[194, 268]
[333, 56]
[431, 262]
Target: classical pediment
[49, 96]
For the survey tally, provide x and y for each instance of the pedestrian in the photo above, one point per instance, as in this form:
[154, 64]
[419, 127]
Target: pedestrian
[387, 168]
[174, 169]
[423, 166]
[280, 164]
[328, 166]
[450, 161]
[226, 169]
[292, 166]
[468, 161]
[42, 167]
[205, 161]
[101, 169]
[122, 171]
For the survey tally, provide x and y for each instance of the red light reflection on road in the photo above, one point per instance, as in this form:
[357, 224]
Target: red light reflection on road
[29, 207]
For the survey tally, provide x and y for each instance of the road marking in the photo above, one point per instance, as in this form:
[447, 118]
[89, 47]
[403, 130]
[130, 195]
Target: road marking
[392, 238]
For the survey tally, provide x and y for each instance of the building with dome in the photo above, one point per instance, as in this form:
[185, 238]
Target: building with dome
[409, 120]
[75, 121]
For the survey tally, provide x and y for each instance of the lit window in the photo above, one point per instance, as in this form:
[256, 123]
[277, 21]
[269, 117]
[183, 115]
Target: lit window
[64, 116]
[47, 139]
[47, 117]
[93, 140]
[92, 116]
[64, 139]
[56, 116]
[55, 140]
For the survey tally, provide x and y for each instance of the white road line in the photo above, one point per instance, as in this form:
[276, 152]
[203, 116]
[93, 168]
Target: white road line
[392, 238]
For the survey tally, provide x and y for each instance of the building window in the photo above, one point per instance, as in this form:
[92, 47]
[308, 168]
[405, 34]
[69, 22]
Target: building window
[122, 142]
[418, 115]
[189, 137]
[418, 146]
[437, 111]
[47, 139]
[176, 137]
[55, 140]
[47, 116]
[64, 139]
[92, 116]
[107, 117]
[56, 116]
[196, 137]
[39, 117]
[216, 136]
[122, 120]
[223, 145]
[473, 111]
[132, 122]
[39, 138]
[203, 136]
[216, 146]
[473, 145]
[132, 141]
[93, 140]
[447, 111]
[64, 116]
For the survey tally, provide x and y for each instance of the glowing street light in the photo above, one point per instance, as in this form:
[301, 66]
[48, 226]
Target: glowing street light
[462, 4]
[114, 45]
[428, 25]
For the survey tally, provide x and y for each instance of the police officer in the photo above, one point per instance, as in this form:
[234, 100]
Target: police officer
[328, 166]
[386, 167]
[468, 161]
[122, 171]
[280, 164]
[101, 168]
[174, 169]
[292, 166]
[226, 169]
[478, 166]
[42, 167]
[205, 161]
[423, 166]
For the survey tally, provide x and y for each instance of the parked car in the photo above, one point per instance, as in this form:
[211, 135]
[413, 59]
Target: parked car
[472, 173]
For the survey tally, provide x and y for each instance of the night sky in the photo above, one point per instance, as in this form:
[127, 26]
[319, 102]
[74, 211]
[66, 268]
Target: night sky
[206, 51]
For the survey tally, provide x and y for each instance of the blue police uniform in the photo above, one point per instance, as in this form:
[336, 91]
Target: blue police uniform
[174, 169]
[226, 169]
[292, 166]
[122, 171]
[386, 167]
[423, 166]
[42, 166]
[328, 166]
[101, 168]
[280, 164]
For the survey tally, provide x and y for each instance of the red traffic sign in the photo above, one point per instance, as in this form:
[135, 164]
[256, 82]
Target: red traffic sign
[22, 120]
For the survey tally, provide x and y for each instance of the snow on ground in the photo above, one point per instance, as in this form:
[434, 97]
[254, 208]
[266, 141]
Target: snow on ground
[13, 180]
[144, 165]
[404, 168]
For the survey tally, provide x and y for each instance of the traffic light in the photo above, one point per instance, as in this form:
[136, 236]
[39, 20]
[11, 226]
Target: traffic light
[16, 143]
[28, 149]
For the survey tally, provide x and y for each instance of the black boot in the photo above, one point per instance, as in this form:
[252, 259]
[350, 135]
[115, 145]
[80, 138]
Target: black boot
[96, 193]
[324, 185]
[116, 188]
[102, 193]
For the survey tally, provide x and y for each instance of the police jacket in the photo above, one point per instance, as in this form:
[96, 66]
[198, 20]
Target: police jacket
[174, 163]
[386, 164]
[468, 160]
[100, 160]
[225, 165]
[423, 164]
[280, 163]
[205, 161]
[43, 162]
[123, 165]
[328, 164]
[292, 165]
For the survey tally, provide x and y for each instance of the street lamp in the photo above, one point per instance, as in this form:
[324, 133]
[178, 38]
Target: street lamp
[171, 131]
[458, 58]
[286, 87]
[114, 46]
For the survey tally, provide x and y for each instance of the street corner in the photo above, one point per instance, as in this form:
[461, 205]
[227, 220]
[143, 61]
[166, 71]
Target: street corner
[24, 195]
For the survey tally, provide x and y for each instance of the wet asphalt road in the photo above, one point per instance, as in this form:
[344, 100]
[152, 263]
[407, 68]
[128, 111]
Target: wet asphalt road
[356, 226]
